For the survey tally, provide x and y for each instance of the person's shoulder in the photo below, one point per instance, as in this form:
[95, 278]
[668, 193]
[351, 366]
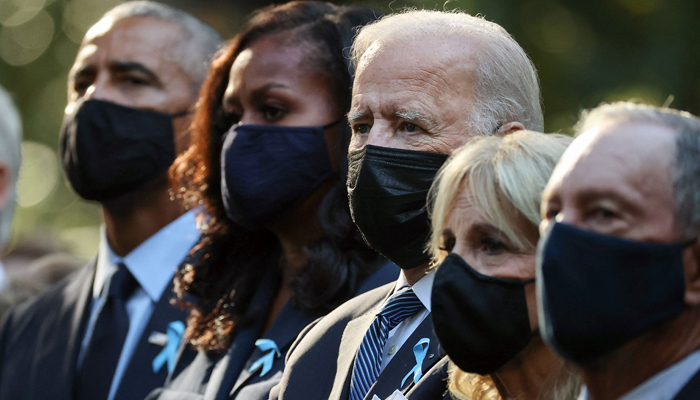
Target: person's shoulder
[346, 312]
[361, 303]
[36, 310]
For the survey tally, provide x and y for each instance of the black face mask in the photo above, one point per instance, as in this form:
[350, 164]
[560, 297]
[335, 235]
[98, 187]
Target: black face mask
[268, 170]
[388, 190]
[481, 321]
[597, 292]
[108, 150]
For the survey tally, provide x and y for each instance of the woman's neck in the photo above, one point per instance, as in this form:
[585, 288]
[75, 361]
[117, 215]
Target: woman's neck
[294, 233]
[533, 370]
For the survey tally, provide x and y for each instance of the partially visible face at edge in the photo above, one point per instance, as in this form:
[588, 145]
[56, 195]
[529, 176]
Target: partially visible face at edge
[487, 249]
[271, 84]
[615, 179]
[414, 95]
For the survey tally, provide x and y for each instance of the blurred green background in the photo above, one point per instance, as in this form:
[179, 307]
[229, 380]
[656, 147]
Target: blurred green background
[586, 52]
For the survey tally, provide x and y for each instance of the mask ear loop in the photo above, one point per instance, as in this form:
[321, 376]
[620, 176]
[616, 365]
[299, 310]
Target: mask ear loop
[334, 123]
[180, 114]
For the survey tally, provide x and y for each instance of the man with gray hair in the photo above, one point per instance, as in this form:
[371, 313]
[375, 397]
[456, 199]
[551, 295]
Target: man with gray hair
[109, 332]
[618, 274]
[10, 160]
[426, 81]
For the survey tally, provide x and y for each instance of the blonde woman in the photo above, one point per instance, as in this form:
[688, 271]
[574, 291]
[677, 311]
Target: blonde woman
[485, 216]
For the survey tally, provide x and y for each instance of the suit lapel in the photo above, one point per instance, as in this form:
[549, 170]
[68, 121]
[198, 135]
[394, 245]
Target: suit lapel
[139, 373]
[283, 331]
[350, 342]
[227, 371]
[62, 339]
[404, 360]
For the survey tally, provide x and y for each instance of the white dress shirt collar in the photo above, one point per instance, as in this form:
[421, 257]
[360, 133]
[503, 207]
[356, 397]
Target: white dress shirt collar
[423, 288]
[665, 385]
[154, 261]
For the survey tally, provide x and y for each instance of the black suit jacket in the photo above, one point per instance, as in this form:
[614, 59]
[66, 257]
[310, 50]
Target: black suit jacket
[320, 362]
[227, 376]
[40, 342]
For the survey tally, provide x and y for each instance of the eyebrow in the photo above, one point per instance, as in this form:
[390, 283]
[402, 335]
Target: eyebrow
[131, 66]
[416, 116]
[354, 116]
[257, 93]
[409, 115]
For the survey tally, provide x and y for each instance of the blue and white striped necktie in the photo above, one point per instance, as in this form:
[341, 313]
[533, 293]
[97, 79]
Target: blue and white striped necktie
[369, 358]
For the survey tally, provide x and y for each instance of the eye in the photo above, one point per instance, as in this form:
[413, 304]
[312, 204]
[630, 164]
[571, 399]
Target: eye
[551, 214]
[490, 245]
[272, 113]
[409, 127]
[603, 213]
[362, 129]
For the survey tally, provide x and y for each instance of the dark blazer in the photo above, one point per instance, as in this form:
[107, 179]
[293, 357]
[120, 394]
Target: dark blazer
[320, 362]
[212, 377]
[40, 342]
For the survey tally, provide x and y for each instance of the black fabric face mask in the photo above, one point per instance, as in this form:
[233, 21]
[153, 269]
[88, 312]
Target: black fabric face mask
[597, 292]
[388, 190]
[268, 170]
[108, 150]
[481, 321]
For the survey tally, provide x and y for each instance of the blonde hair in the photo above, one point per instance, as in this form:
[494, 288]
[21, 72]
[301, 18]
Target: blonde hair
[504, 175]
[506, 89]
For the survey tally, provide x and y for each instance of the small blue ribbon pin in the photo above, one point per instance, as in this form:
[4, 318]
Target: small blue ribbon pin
[169, 352]
[419, 350]
[267, 359]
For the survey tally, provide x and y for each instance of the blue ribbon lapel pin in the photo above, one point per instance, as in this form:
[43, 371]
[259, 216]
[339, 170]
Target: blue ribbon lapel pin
[420, 350]
[267, 359]
[170, 342]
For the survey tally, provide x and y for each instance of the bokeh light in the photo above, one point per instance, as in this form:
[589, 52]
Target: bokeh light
[38, 174]
[23, 43]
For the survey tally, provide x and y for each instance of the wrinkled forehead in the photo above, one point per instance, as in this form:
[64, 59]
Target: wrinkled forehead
[446, 60]
[616, 155]
[144, 40]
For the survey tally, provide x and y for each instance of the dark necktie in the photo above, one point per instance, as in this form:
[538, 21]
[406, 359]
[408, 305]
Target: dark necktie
[369, 357]
[94, 379]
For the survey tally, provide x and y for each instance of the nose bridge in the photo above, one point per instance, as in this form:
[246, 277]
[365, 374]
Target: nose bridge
[101, 89]
[381, 134]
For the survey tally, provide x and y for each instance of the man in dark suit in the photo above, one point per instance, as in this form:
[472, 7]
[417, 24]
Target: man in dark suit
[108, 331]
[627, 313]
[426, 81]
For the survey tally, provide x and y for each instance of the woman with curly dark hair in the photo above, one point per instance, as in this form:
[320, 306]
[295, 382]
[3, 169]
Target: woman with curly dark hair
[267, 162]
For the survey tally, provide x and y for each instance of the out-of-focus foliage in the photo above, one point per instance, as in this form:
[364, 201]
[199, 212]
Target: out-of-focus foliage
[586, 52]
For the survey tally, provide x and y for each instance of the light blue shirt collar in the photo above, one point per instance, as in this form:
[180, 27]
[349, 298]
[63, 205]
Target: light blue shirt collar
[3, 277]
[154, 261]
[663, 386]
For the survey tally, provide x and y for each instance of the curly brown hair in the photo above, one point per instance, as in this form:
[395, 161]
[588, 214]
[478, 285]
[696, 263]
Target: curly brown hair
[231, 260]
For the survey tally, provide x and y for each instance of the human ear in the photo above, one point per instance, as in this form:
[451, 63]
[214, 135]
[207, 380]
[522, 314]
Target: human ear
[509, 128]
[691, 266]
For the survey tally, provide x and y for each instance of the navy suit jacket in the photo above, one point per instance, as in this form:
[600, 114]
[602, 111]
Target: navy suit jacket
[320, 362]
[40, 342]
[228, 376]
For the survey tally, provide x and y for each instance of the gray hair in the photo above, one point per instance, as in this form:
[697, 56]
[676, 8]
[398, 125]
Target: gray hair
[686, 166]
[11, 156]
[200, 41]
[507, 88]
